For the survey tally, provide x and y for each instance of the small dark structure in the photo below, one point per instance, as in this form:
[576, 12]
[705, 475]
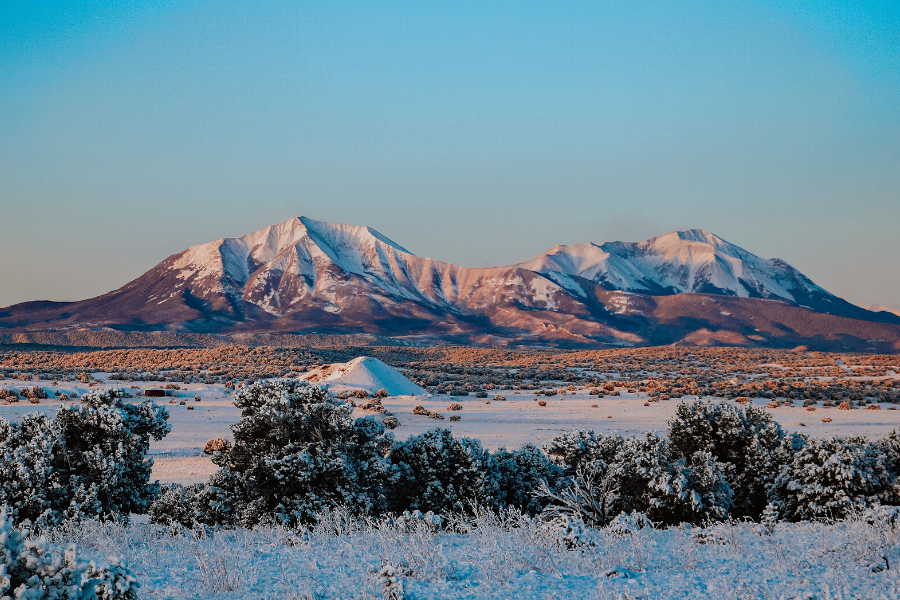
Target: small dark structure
[155, 393]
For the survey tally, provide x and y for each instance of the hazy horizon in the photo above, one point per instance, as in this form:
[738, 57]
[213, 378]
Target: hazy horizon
[476, 134]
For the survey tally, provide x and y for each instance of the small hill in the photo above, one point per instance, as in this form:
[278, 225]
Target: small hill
[364, 373]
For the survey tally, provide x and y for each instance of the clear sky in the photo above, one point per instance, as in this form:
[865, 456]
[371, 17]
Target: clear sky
[480, 133]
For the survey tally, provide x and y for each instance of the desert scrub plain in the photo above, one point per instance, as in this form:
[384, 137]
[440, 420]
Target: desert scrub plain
[295, 511]
[662, 373]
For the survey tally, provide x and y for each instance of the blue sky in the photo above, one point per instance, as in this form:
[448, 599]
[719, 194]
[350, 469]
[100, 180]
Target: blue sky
[480, 133]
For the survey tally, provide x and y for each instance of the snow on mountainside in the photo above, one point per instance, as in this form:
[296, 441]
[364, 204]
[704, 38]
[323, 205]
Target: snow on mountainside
[679, 262]
[310, 276]
[279, 265]
[301, 263]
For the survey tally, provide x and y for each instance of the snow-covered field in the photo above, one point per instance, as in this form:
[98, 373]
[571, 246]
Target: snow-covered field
[510, 423]
[487, 556]
[491, 557]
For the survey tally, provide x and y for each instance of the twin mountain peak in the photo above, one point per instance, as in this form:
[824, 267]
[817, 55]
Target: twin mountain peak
[304, 275]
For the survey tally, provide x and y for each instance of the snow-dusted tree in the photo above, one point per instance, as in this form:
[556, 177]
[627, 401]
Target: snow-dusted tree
[521, 472]
[438, 472]
[26, 463]
[90, 461]
[639, 474]
[177, 503]
[747, 443]
[890, 445]
[670, 491]
[31, 569]
[297, 451]
[104, 457]
[583, 449]
[828, 478]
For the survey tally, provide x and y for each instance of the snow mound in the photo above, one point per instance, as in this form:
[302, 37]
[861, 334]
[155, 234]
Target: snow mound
[364, 373]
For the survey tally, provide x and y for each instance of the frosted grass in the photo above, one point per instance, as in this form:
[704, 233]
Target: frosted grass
[505, 556]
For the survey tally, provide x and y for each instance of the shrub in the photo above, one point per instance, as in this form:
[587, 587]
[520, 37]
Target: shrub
[91, 460]
[745, 442]
[374, 405]
[639, 474]
[441, 473]
[176, 503]
[829, 478]
[297, 452]
[30, 569]
[34, 394]
[216, 445]
[521, 473]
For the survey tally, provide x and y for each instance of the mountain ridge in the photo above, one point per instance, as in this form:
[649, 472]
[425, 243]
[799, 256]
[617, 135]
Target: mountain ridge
[304, 276]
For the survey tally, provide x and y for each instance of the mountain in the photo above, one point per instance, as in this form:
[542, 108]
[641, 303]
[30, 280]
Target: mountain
[310, 276]
[692, 261]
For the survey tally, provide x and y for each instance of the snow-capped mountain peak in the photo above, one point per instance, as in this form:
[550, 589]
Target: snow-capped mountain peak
[308, 275]
[678, 262]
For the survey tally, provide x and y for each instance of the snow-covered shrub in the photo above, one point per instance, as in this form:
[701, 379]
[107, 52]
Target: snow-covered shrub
[91, 460]
[31, 570]
[438, 472]
[105, 451]
[176, 503]
[591, 496]
[390, 580]
[628, 524]
[829, 478]
[414, 520]
[640, 474]
[567, 529]
[746, 442]
[581, 448]
[297, 451]
[521, 473]
[691, 490]
[890, 445]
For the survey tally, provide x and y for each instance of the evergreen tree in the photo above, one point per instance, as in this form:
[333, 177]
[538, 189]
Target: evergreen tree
[829, 478]
[297, 451]
[746, 442]
[441, 473]
[90, 461]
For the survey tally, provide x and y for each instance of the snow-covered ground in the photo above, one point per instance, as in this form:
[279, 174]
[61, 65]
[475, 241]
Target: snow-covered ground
[490, 558]
[510, 423]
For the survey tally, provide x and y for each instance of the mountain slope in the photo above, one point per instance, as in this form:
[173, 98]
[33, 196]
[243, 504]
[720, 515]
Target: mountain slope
[306, 275]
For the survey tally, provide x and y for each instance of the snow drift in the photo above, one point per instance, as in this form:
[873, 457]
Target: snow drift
[364, 373]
